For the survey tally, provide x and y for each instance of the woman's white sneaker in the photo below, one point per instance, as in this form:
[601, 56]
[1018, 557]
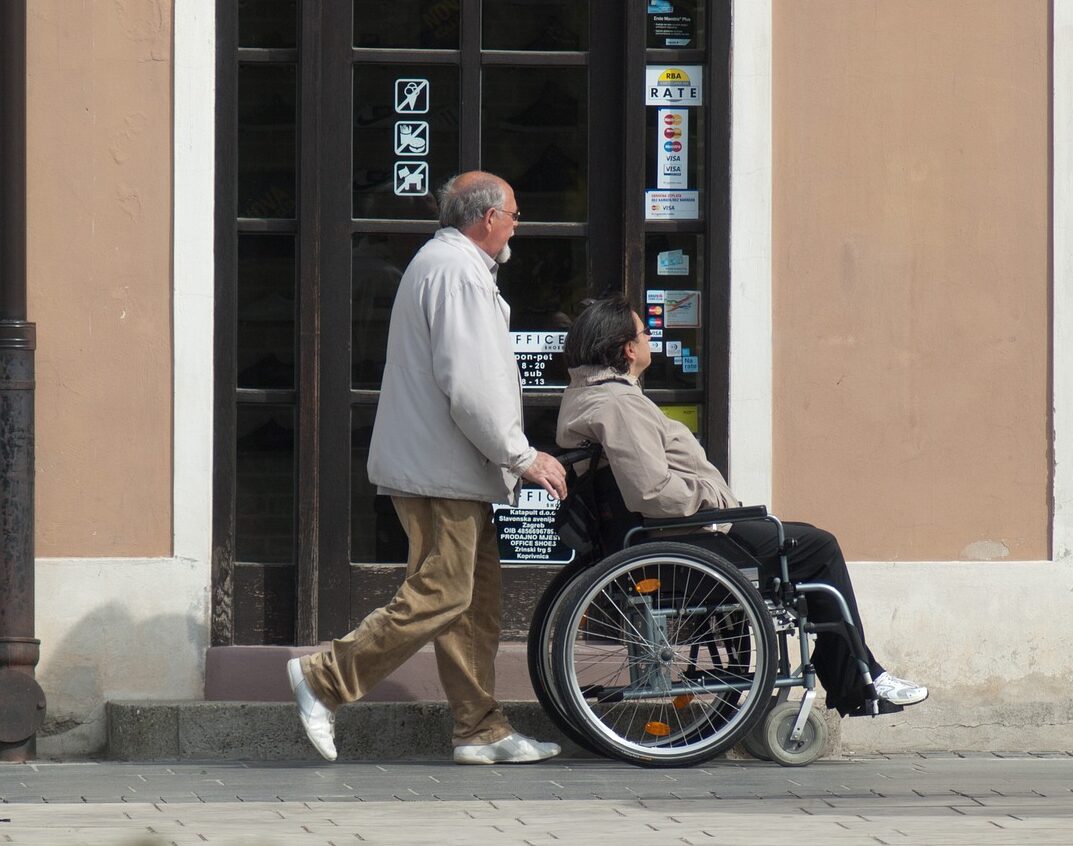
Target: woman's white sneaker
[899, 691]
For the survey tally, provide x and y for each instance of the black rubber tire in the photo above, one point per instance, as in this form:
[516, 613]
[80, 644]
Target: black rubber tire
[538, 652]
[706, 592]
[776, 732]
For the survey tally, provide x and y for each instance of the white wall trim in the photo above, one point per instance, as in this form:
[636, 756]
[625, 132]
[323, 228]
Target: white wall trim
[194, 190]
[1062, 284]
[750, 253]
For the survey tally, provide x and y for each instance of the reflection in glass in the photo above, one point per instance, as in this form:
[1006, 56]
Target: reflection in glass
[534, 134]
[540, 427]
[425, 24]
[378, 261]
[676, 24]
[401, 158]
[267, 23]
[266, 140]
[264, 482]
[376, 536]
[674, 266]
[266, 284]
[544, 282]
[528, 25]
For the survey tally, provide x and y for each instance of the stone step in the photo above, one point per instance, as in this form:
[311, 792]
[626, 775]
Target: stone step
[270, 731]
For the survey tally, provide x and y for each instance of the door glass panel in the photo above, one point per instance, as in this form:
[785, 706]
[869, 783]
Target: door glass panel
[264, 495]
[676, 24]
[674, 309]
[540, 423]
[542, 25]
[378, 261]
[405, 138]
[534, 134]
[266, 282]
[544, 282]
[267, 23]
[425, 24]
[266, 140]
[376, 536]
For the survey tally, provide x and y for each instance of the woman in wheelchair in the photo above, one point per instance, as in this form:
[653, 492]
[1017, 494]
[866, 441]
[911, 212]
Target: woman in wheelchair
[662, 471]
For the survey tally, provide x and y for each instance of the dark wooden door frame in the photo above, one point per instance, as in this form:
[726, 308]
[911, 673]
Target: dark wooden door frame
[323, 399]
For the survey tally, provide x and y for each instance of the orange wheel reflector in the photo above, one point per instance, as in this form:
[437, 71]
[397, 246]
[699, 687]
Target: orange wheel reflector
[680, 702]
[647, 586]
[657, 729]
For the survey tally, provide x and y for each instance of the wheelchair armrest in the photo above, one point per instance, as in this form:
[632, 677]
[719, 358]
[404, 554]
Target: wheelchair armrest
[704, 518]
[574, 456]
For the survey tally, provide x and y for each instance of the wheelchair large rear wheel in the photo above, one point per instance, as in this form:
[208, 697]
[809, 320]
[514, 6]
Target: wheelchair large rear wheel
[664, 655]
[539, 652]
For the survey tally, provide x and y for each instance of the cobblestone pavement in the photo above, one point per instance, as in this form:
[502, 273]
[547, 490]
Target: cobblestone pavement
[906, 799]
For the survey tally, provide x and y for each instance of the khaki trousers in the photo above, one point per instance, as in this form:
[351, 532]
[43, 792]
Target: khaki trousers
[451, 596]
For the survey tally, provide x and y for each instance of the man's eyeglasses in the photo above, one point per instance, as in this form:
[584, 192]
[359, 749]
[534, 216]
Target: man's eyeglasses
[515, 215]
[645, 331]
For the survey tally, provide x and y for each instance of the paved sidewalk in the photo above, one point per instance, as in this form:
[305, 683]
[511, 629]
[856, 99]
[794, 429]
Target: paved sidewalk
[910, 799]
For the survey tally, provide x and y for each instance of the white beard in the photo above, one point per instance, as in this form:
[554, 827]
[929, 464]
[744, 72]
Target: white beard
[503, 256]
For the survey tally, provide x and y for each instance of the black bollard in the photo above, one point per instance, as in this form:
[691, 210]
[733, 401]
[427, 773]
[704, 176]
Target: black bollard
[22, 702]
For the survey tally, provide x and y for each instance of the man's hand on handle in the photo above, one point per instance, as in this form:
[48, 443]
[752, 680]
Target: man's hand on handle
[547, 472]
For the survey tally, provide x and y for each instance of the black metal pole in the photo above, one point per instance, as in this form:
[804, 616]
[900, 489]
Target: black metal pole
[22, 702]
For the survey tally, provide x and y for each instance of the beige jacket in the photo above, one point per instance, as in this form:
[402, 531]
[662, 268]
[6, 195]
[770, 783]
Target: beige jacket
[658, 465]
[449, 422]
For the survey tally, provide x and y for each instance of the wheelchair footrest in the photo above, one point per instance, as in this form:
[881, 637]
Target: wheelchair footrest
[885, 707]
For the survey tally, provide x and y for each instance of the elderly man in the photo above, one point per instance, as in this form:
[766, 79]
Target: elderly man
[447, 442]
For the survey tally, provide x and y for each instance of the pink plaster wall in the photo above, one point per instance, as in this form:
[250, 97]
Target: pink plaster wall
[99, 266]
[911, 274]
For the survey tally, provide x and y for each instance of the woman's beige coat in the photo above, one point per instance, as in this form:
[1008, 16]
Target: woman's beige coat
[658, 465]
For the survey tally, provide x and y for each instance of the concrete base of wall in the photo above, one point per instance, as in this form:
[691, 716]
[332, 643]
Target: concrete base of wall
[270, 731]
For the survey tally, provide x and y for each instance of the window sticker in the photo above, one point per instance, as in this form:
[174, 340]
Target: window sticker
[411, 179]
[674, 348]
[411, 138]
[672, 263]
[672, 148]
[654, 296]
[688, 415]
[539, 357]
[672, 205]
[527, 531]
[673, 86]
[682, 309]
[411, 96]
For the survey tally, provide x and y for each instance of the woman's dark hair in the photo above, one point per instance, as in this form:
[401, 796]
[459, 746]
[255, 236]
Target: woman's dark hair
[600, 334]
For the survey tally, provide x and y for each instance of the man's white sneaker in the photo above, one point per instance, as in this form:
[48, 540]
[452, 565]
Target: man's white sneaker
[317, 719]
[899, 691]
[513, 749]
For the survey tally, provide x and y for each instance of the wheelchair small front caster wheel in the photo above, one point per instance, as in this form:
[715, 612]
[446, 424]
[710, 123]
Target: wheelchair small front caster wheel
[777, 727]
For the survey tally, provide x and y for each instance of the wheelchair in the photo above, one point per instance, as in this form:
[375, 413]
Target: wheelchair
[665, 654]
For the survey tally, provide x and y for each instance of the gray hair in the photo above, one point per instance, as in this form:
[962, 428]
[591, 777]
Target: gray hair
[465, 206]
